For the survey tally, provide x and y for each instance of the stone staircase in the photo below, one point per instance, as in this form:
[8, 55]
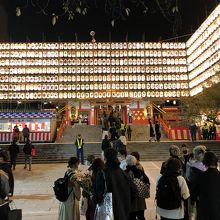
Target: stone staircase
[149, 151]
[92, 133]
[142, 133]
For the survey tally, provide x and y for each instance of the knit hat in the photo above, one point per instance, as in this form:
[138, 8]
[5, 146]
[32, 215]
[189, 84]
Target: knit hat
[199, 152]
[131, 160]
[174, 151]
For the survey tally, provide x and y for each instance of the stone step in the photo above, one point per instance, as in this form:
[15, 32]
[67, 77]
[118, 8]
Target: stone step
[92, 133]
[54, 153]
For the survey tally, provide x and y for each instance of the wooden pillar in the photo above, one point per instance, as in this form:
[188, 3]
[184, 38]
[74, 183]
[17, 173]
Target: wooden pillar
[92, 116]
[124, 114]
[67, 113]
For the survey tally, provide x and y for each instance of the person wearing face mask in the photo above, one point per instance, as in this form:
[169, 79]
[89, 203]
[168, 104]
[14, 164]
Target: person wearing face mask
[122, 154]
[69, 210]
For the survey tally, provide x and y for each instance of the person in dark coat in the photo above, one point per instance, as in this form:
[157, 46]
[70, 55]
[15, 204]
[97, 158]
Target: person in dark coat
[111, 118]
[138, 205]
[118, 145]
[105, 143]
[96, 168]
[118, 183]
[26, 133]
[27, 149]
[13, 151]
[129, 132]
[206, 189]
[4, 192]
[152, 134]
[185, 154]
[205, 132]
[113, 132]
[157, 131]
[193, 130]
[213, 132]
[7, 169]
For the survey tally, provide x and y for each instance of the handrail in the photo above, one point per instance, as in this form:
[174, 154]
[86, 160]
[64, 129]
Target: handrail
[166, 127]
[60, 129]
[159, 109]
[62, 109]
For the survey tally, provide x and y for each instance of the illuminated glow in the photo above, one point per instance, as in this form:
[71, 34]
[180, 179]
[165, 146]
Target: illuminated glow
[119, 69]
[203, 53]
[88, 71]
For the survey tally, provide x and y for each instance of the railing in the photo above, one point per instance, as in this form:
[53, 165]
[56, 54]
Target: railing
[178, 132]
[158, 108]
[39, 136]
[60, 129]
[166, 128]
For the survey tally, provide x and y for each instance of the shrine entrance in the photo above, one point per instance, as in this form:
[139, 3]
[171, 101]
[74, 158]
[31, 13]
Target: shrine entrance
[106, 112]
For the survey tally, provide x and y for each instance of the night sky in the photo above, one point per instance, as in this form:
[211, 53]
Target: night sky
[152, 26]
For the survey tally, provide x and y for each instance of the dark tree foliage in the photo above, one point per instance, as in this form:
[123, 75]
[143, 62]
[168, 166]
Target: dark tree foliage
[206, 103]
[114, 9]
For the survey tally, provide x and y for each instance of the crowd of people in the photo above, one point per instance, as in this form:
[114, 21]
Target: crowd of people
[6, 175]
[114, 175]
[209, 132]
[6, 184]
[17, 135]
[7, 164]
[186, 188]
[28, 148]
[114, 125]
[197, 183]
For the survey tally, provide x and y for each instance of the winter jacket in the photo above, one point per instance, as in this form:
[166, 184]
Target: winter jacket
[13, 150]
[6, 168]
[27, 148]
[206, 190]
[120, 186]
[105, 144]
[138, 204]
[4, 187]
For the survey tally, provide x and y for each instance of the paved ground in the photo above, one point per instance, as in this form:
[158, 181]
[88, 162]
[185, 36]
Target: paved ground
[34, 193]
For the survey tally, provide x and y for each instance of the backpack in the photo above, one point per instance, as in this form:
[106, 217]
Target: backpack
[168, 194]
[61, 188]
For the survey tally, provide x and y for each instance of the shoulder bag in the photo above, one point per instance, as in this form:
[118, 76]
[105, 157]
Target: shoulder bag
[142, 188]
